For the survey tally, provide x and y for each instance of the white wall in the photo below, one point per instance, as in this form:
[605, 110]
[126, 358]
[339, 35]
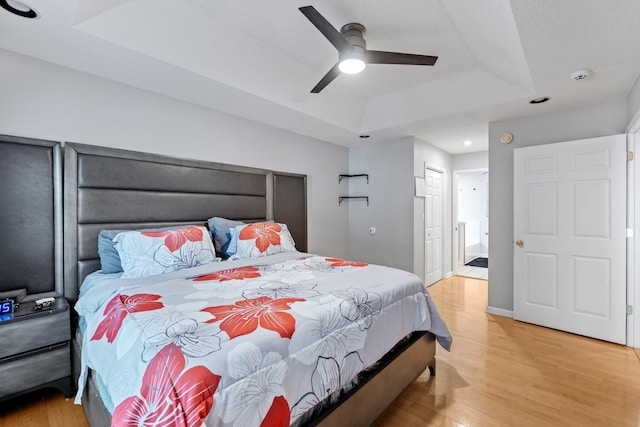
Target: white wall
[591, 121]
[476, 160]
[390, 209]
[42, 100]
[472, 210]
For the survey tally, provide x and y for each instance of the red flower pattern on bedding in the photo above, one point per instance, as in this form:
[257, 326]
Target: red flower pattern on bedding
[174, 239]
[168, 396]
[117, 310]
[337, 262]
[265, 233]
[233, 274]
[245, 316]
[278, 415]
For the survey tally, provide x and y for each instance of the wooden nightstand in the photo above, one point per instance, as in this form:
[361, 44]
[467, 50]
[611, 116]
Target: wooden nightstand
[35, 349]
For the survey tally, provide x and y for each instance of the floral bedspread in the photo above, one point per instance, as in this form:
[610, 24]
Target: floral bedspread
[246, 342]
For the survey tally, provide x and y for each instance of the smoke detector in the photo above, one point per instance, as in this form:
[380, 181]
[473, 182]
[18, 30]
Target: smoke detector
[580, 74]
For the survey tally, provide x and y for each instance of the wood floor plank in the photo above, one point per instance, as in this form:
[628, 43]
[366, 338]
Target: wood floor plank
[499, 373]
[42, 408]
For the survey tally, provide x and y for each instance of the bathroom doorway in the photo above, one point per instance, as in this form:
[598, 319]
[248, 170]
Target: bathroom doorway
[471, 225]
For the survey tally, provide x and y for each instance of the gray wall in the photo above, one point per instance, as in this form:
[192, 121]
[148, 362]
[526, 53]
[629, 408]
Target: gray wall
[43, 100]
[633, 101]
[390, 209]
[591, 121]
[394, 211]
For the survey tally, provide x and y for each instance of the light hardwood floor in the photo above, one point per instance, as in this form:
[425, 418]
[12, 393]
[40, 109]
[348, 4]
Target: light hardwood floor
[506, 373]
[499, 373]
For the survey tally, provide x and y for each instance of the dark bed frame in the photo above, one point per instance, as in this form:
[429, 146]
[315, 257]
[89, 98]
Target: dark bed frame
[107, 188]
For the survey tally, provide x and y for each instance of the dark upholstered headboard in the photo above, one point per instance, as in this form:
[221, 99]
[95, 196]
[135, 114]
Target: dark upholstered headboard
[30, 215]
[107, 188]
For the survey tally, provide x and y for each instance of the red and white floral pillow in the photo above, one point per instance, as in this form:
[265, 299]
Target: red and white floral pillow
[261, 239]
[148, 253]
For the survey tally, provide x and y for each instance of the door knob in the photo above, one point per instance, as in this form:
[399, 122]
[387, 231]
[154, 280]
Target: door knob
[520, 243]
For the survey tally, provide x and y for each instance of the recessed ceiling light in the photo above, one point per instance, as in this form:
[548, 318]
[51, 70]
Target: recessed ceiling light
[539, 100]
[18, 8]
[468, 143]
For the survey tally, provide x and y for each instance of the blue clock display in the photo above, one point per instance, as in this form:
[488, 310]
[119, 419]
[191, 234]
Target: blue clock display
[6, 309]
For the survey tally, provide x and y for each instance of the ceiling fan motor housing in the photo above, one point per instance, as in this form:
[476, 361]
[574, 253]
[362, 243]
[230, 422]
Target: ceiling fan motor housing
[354, 33]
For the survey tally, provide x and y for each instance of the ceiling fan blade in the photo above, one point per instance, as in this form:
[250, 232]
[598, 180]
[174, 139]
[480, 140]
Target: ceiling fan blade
[334, 36]
[379, 57]
[328, 78]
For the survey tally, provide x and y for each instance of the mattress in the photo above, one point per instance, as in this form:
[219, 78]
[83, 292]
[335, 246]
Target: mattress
[246, 342]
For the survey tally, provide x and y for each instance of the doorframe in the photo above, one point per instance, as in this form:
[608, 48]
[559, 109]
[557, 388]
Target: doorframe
[633, 243]
[442, 218]
[455, 233]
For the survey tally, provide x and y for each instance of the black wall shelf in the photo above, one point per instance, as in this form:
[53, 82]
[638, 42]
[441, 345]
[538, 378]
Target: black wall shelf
[359, 175]
[353, 176]
[341, 198]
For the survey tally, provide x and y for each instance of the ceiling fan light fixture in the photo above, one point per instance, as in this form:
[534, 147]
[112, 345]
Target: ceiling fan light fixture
[353, 55]
[352, 62]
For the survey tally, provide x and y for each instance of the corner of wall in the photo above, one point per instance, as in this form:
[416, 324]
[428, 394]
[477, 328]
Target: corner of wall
[390, 192]
[633, 102]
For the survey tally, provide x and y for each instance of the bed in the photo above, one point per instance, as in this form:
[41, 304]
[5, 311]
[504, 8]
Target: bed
[261, 358]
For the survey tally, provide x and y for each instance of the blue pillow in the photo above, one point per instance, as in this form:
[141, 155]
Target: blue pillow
[233, 244]
[109, 258]
[221, 231]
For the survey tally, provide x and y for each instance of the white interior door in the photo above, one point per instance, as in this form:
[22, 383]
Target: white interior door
[433, 226]
[570, 236]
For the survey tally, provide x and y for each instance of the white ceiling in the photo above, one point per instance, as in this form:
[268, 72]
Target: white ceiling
[259, 59]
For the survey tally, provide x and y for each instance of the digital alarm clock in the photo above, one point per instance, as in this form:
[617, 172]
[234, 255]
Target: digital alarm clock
[6, 309]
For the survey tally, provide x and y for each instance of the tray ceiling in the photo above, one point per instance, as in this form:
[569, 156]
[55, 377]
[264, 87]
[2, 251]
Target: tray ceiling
[259, 59]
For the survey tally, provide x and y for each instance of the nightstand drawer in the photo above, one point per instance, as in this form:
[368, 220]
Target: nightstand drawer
[34, 332]
[32, 371]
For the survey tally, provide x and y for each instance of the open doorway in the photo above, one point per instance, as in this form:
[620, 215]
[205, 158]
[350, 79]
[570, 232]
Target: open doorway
[471, 208]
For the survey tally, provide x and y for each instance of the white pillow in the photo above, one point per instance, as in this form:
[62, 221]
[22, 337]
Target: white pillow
[261, 239]
[148, 253]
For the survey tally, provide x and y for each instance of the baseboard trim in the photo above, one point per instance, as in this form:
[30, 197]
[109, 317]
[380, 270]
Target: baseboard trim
[449, 274]
[499, 311]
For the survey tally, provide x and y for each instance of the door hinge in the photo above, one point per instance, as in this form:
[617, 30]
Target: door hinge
[629, 233]
[629, 310]
[629, 155]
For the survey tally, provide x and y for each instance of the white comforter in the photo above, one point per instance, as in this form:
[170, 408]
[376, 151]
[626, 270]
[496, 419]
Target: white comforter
[245, 342]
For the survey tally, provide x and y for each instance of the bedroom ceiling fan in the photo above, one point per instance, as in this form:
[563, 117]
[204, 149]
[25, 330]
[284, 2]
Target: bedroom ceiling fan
[352, 49]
